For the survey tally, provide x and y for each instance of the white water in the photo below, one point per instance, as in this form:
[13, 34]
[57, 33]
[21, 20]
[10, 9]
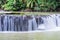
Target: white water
[52, 22]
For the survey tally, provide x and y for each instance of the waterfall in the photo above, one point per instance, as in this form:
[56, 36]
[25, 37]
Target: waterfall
[49, 21]
[58, 20]
[25, 23]
[29, 23]
[40, 23]
[34, 23]
[5, 23]
[18, 23]
[12, 24]
[9, 23]
[0, 24]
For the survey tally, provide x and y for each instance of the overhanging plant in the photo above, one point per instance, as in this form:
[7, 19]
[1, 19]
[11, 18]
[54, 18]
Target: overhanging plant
[31, 4]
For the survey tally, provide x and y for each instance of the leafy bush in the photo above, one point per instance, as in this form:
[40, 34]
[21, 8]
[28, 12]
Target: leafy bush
[41, 5]
[13, 5]
[47, 4]
[2, 2]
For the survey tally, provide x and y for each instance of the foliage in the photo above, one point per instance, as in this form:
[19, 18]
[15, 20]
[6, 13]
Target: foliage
[47, 5]
[30, 3]
[13, 5]
[41, 5]
[2, 2]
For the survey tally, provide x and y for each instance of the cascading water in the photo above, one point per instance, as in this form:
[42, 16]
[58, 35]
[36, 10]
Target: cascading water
[58, 20]
[5, 23]
[49, 21]
[0, 24]
[34, 23]
[28, 23]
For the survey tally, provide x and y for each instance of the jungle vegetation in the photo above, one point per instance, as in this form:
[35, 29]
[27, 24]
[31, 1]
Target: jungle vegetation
[30, 5]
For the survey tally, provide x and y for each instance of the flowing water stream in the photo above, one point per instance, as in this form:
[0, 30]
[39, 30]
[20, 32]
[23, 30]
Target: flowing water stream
[29, 23]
